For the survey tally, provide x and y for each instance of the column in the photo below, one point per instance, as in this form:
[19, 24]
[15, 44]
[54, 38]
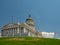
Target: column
[19, 31]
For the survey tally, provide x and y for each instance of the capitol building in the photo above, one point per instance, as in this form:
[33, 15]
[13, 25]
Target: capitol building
[26, 29]
[20, 29]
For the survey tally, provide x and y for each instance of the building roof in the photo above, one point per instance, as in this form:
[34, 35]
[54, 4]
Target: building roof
[10, 24]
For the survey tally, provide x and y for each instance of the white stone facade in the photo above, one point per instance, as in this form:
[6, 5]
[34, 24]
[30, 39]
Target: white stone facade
[23, 29]
[12, 30]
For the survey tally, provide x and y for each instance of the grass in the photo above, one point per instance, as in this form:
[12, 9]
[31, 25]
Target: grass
[28, 41]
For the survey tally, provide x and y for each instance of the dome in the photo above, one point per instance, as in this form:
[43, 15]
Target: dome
[30, 21]
[29, 18]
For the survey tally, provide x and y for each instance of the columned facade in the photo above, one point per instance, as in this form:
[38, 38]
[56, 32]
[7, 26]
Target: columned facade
[24, 29]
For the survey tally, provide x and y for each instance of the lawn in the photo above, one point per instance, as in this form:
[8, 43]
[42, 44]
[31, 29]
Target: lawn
[28, 41]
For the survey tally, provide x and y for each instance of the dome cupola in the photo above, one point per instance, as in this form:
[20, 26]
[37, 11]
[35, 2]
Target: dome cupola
[30, 21]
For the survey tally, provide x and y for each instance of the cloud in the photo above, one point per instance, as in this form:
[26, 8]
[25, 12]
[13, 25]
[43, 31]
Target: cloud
[48, 34]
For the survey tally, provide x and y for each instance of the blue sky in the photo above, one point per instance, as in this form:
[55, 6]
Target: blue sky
[45, 13]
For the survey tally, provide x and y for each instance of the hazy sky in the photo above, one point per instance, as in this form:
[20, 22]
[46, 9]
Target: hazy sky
[45, 13]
